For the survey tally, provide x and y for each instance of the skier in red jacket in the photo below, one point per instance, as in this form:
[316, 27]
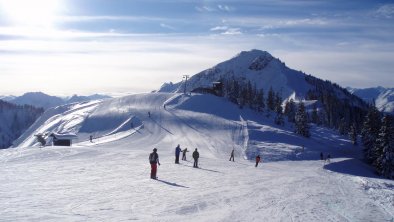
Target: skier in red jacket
[258, 159]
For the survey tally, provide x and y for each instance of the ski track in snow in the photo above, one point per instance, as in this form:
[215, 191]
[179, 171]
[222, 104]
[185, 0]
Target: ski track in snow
[108, 180]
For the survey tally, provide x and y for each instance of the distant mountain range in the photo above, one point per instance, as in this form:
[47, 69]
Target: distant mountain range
[39, 99]
[383, 97]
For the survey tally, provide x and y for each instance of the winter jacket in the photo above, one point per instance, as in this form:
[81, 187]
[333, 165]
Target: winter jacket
[153, 158]
[257, 159]
[177, 150]
[196, 155]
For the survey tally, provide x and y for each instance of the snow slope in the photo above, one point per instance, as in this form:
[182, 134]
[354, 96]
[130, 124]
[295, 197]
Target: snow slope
[384, 97]
[108, 180]
[258, 67]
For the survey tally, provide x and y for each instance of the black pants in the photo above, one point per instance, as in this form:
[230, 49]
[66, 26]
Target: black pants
[176, 158]
[232, 157]
[195, 163]
[257, 163]
[184, 156]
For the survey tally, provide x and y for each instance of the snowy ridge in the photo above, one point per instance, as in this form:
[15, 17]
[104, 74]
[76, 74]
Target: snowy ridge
[384, 97]
[39, 99]
[259, 67]
[108, 179]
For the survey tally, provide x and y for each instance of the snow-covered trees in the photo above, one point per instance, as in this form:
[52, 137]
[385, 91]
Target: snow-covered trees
[370, 132]
[353, 134]
[290, 110]
[271, 99]
[14, 120]
[301, 121]
[384, 149]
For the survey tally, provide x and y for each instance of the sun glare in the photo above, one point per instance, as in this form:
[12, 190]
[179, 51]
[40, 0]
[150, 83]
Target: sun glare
[31, 12]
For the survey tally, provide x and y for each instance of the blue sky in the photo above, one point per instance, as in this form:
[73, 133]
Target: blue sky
[63, 47]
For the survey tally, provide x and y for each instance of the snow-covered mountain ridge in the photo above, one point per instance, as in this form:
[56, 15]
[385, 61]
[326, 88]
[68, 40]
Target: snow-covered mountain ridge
[39, 99]
[256, 71]
[383, 97]
[258, 67]
[261, 69]
[108, 179]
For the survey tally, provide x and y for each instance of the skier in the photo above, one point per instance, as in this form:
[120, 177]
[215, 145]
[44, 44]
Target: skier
[196, 155]
[184, 154]
[177, 153]
[149, 114]
[91, 138]
[257, 160]
[232, 156]
[321, 156]
[154, 160]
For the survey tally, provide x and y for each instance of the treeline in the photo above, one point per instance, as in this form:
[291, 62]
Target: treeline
[244, 94]
[342, 110]
[337, 108]
[377, 136]
[14, 120]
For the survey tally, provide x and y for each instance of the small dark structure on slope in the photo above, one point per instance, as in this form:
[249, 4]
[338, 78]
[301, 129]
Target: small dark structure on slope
[216, 89]
[62, 139]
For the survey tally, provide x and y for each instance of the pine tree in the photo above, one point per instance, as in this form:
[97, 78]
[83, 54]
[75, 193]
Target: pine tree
[370, 133]
[271, 99]
[233, 91]
[342, 126]
[301, 121]
[259, 100]
[353, 134]
[290, 110]
[279, 119]
[384, 149]
[315, 115]
[278, 103]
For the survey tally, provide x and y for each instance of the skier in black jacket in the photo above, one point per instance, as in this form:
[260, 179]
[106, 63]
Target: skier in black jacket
[196, 155]
[184, 154]
[154, 160]
[232, 156]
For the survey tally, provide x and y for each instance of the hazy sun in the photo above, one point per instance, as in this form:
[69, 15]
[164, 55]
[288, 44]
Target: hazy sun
[31, 12]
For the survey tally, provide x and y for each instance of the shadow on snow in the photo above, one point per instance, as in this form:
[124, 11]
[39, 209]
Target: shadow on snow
[214, 171]
[353, 167]
[172, 184]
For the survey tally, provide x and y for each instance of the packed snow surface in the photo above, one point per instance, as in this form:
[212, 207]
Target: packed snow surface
[108, 179]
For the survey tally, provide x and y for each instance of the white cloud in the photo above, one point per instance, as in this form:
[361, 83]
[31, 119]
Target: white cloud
[166, 26]
[226, 8]
[386, 11]
[219, 28]
[232, 31]
[205, 9]
[307, 21]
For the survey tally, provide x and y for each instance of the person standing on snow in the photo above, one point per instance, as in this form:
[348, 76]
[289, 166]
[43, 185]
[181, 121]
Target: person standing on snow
[321, 156]
[184, 154]
[258, 159]
[154, 160]
[196, 155]
[232, 156]
[177, 153]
